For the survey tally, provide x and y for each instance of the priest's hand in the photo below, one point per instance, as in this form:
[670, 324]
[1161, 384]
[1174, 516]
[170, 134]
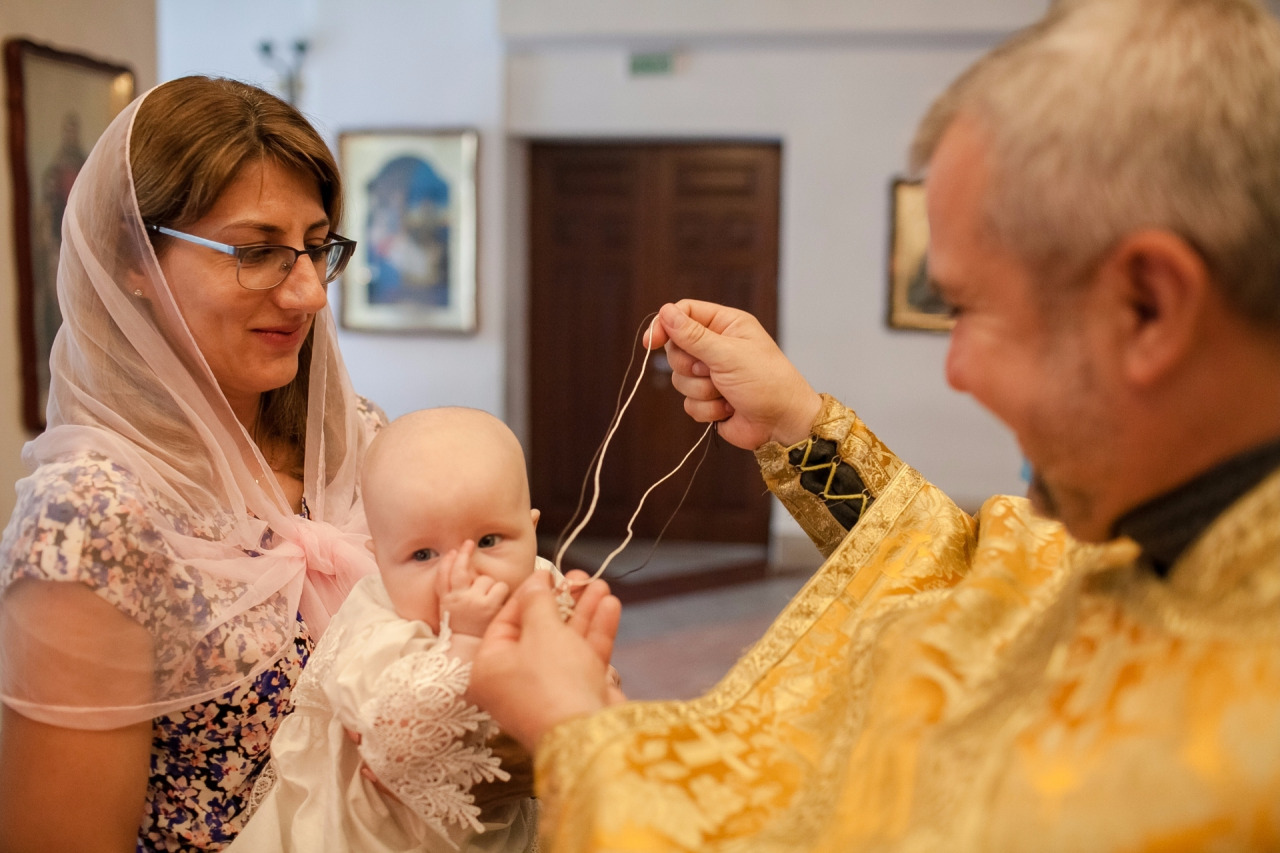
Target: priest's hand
[534, 671]
[730, 370]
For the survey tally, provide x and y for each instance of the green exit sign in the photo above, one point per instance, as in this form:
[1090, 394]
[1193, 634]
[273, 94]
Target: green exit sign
[644, 64]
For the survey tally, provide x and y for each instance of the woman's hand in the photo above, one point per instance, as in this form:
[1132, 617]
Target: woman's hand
[533, 671]
[731, 371]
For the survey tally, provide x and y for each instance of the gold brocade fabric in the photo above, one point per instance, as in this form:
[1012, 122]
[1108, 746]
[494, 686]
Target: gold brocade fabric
[946, 682]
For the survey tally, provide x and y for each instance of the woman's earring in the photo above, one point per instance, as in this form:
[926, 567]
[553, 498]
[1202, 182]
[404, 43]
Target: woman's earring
[138, 292]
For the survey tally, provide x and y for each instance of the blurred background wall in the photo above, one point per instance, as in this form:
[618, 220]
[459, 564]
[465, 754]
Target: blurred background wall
[117, 31]
[838, 85]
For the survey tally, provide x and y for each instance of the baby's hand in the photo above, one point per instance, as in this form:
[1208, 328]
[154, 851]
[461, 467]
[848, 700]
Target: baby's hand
[470, 599]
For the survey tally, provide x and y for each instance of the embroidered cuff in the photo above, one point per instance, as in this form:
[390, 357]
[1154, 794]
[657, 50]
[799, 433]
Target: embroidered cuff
[824, 474]
[863, 466]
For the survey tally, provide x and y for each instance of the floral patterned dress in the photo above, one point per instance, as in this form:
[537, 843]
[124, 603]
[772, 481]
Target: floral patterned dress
[82, 520]
[206, 758]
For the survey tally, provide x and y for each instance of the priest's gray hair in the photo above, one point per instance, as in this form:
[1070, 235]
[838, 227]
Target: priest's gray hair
[1112, 115]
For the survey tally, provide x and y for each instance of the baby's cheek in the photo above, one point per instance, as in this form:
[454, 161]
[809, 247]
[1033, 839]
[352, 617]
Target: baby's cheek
[517, 577]
[412, 592]
[504, 570]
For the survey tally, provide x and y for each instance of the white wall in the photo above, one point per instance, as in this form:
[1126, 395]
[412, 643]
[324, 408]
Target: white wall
[382, 64]
[118, 31]
[839, 84]
[844, 105]
[771, 18]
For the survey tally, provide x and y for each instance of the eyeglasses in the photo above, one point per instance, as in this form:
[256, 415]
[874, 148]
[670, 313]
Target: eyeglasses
[265, 266]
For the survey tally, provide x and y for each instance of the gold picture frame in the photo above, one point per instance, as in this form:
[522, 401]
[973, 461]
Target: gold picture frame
[59, 104]
[913, 301]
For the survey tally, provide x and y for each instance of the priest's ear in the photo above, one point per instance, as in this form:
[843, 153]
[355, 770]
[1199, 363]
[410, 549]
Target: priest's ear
[1158, 287]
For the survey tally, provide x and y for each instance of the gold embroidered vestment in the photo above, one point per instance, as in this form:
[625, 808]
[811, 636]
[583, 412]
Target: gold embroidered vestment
[958, 682]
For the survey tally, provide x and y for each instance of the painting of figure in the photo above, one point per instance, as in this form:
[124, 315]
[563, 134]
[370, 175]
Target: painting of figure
[408, 234]
[59, 102]
[412, 213]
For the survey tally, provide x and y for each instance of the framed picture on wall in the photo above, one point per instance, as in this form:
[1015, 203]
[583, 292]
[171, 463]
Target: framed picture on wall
[913, 301]
[59, 104]
[411, 208]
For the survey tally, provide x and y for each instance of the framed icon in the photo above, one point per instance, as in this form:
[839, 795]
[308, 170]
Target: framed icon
[59, 104]
[411, 208]
[914, 303]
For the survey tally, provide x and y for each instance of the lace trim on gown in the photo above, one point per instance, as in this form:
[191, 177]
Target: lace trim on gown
[426, 743]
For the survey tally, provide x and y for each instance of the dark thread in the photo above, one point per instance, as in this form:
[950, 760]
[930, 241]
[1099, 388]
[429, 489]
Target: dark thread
[710, 439]
[617, 409]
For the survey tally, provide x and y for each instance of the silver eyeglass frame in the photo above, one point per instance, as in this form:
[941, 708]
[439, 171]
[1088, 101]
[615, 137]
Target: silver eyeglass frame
[345, 247]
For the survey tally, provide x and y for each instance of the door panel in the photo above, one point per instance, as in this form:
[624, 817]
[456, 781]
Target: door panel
[616, 230]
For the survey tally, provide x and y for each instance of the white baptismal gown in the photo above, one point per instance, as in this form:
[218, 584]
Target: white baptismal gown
[392, 681]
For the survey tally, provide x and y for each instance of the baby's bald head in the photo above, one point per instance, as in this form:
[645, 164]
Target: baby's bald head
[449, 444]
[435, 480]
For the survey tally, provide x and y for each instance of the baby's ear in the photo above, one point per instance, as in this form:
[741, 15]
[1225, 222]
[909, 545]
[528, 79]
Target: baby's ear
[535, 515]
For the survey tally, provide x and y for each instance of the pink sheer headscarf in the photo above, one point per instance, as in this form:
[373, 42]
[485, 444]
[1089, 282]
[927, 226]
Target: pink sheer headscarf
[195, 542]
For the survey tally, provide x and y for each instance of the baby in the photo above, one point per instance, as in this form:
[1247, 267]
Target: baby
[447, 500]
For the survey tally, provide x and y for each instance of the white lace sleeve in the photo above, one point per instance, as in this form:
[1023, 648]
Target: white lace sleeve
[424, 742]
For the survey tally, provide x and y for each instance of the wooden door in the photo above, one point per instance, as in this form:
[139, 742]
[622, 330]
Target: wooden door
[616, 231]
